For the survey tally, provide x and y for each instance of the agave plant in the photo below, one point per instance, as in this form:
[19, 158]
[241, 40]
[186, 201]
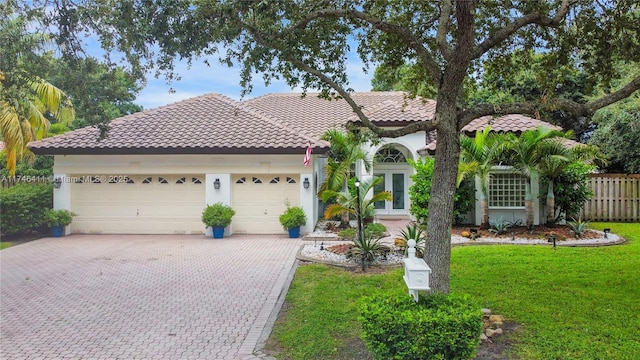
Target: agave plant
[368, 248]
[578, 227]
[417, 233]
[500, 226]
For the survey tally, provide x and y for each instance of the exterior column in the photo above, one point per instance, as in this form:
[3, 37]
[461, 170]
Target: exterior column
[307, 201]
[62, 196]
[222, 195]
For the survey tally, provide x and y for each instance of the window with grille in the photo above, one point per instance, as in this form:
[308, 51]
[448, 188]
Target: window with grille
[507, 190]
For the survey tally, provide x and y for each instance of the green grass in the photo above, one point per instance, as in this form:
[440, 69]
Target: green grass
[6, 244]
[571, 303]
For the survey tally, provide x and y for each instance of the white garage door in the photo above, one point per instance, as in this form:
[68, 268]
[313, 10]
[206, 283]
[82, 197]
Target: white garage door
[148, 204]
[259, 200]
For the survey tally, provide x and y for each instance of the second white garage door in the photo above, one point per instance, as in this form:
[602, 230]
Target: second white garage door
[259, 200]
[144, 204]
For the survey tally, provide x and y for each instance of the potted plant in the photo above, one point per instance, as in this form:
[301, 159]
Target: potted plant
[217, 216]
[292, 219]
[57, 220]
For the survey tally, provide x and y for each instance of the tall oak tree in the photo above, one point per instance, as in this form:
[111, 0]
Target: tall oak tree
[307, 43]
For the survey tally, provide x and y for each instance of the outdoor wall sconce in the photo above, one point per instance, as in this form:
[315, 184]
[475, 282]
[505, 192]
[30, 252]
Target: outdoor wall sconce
[216, 184]
[606, 233]
[57, 183]
[305, 183]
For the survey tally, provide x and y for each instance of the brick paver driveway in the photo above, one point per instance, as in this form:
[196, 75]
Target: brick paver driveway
[140, 297]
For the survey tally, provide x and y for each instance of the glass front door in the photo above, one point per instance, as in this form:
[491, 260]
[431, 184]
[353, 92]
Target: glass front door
[396, 183]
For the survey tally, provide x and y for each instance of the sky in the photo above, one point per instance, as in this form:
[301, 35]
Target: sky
[202, 79]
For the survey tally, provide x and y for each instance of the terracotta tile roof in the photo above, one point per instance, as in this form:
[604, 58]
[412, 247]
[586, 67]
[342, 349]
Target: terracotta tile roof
[514, 123]
[314, 115]
[206, 124]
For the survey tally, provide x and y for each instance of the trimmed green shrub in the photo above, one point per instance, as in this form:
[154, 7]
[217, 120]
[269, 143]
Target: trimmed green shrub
[24, 208]
[217, 214]
[59, 217]
[348, 233]
[293, 217]
[436, 327]
[375, 230]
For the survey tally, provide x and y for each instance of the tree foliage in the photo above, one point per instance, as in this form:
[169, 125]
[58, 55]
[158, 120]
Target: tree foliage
[307, 43]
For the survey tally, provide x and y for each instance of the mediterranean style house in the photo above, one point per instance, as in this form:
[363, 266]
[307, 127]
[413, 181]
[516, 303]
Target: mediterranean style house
[158, 169]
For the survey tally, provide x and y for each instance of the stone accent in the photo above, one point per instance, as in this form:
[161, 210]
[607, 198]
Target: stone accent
[491, 325]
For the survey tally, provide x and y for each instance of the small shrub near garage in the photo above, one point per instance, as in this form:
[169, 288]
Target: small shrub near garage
[24, 208]
[437, 327]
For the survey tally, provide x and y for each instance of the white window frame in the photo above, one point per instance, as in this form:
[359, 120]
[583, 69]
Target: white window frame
[507, 184]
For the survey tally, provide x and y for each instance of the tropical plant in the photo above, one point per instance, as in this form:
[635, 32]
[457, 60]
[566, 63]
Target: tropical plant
[500, 226]
[578, 227]
[525, 153]
[367, 249]
[293, 217]
[478, 156]
[346, 149]
[347, 201]
[218, 215]
[416, 232]
[59, 217]
[572, 190]
[555, 159]
[26, 100]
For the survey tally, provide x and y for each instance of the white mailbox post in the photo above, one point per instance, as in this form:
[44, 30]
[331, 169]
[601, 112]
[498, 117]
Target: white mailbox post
[416, 271]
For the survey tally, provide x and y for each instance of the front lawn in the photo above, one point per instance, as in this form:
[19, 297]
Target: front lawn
[571, 303]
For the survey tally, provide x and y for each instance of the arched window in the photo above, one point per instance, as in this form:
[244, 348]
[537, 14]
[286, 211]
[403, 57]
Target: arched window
[389, 154]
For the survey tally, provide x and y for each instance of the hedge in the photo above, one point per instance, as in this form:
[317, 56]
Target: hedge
[23, 207]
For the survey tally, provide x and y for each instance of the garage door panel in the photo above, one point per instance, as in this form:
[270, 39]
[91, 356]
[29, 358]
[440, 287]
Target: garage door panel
[259, 200]
[144, 206]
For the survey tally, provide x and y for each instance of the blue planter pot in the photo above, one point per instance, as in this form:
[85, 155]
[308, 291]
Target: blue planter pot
[57, 231]
[294, 232]
[218, 232]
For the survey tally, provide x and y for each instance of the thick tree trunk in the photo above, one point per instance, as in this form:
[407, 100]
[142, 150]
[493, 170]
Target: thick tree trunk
[551, 205]
[438, 244]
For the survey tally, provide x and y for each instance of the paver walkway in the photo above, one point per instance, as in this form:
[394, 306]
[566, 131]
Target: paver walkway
[140, 297]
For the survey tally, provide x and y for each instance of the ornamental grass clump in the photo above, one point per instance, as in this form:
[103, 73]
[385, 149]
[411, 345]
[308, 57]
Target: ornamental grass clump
[438, 326]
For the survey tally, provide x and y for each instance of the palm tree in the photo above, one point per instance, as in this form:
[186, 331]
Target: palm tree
[527, 151]
[346, 149]
[478, 156]
[556, 157]
[347, 201]
[25, 103]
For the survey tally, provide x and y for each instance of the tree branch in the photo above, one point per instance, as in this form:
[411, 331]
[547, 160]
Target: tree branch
[413, 42]
[572, 107]
[409, 129]
[443, 30]
[521, 22]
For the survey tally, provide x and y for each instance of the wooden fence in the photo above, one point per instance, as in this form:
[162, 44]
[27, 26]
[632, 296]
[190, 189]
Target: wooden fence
[616, 198]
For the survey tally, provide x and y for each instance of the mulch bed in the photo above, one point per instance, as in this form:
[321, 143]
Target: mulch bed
[538, 232]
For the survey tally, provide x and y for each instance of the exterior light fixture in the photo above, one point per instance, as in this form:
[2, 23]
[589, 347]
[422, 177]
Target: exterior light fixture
[305, 183]
[606, 233]
[57, 183]
[359, 212]
[216, 184]
[552, 238]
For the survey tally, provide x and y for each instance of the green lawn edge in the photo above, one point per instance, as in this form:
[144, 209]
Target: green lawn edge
[570, 303]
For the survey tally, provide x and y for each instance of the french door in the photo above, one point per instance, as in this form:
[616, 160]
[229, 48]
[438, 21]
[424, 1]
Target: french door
[395, 182]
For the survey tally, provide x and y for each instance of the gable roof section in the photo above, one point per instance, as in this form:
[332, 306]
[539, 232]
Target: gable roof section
[207, 124]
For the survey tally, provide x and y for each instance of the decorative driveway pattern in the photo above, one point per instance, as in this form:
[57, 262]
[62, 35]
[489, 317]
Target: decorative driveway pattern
[140, 296]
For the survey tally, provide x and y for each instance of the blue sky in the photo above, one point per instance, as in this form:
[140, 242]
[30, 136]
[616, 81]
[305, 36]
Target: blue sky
[202, 79]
